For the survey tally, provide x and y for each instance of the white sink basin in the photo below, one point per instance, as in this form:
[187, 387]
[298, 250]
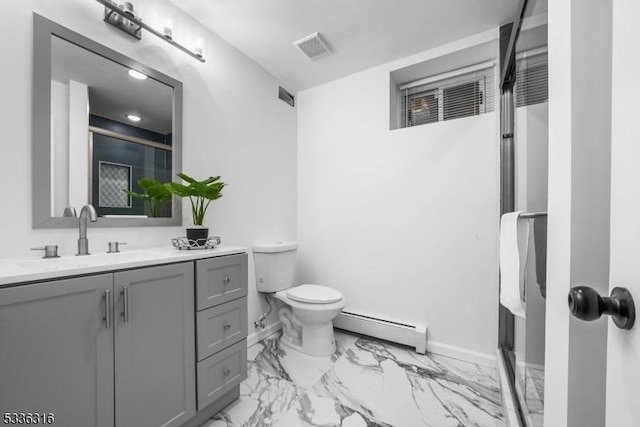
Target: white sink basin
[86, 261]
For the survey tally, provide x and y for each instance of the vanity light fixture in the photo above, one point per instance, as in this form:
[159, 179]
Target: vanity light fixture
[124, 18]
[137, 75]
[133, 117]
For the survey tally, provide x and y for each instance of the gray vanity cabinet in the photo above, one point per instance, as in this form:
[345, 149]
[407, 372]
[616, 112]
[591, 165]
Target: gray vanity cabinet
[221, 295]
[61, 341]
[56, 354]
[154, 346]
[220, 327]
[220, 280]
[120, 348]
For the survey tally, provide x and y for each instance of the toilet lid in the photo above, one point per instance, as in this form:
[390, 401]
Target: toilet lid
[314, 294]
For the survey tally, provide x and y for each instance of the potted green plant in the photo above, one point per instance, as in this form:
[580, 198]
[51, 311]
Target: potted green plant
[200, 194]
[155, 195]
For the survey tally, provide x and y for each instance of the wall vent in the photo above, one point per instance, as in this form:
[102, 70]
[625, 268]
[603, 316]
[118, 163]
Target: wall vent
[313, 46]
[287, 97]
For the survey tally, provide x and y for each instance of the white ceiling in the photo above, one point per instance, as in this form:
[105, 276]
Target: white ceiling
[361, 33]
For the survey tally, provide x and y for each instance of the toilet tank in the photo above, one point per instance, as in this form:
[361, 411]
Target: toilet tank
[275, 266]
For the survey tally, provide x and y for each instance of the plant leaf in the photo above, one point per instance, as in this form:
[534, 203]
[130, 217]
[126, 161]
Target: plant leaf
[137, 195]
[160, 193]
[212, 193]
[147, 183]
[198, 192]
[178, 189]
[187, 178]
[210, 180]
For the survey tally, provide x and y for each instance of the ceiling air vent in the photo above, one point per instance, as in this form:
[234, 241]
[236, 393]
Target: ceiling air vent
[313, 46]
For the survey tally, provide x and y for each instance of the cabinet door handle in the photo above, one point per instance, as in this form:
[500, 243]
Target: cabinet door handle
[226, 372]
[226, 326]
[125, 303]
[226, 280]
[107, 309]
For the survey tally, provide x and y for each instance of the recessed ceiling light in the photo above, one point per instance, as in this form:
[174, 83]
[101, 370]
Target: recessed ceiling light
[137, 75]
[133, 117]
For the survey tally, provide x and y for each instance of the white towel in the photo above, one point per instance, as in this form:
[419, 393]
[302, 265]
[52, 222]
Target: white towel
[514, 242]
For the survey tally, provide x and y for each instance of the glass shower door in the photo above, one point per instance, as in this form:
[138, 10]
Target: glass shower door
[524, 177]
[531, 154]
[531, 196]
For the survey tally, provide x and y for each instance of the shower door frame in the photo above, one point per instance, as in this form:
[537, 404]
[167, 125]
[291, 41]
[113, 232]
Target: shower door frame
[508, 37]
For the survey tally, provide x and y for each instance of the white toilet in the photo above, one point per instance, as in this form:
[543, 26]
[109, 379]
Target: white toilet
[308, 310]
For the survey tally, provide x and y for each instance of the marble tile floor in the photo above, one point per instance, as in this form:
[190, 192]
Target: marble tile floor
[367, 382]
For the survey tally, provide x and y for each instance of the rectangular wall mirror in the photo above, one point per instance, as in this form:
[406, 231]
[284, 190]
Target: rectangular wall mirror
[101, 122]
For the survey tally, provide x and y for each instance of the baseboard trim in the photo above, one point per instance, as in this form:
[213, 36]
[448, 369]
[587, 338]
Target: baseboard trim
[434, 347]
[460, 353]
[411, 335]
[259, 335]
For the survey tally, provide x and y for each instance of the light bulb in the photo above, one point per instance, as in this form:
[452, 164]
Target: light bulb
[198, 48]
[137, 75]
[168, 29]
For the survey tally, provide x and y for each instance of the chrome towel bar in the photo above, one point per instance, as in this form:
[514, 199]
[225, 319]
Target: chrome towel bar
[533, 214]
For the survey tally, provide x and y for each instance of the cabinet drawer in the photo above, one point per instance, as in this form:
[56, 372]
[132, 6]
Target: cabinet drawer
[221, 326]
[220, 280]
[221, 372]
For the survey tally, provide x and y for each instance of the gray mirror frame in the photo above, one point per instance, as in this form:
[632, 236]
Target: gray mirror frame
[43, 30]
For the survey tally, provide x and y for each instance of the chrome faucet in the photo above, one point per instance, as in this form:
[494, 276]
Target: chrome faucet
[83, 243]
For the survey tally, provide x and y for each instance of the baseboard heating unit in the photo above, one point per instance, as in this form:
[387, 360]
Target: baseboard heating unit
[411, 335]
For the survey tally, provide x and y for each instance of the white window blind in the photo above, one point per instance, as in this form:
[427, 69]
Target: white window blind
[532, 79]
[448, 96]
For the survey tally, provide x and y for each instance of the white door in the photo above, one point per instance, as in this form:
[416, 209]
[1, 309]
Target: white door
[593, 368]
[623, 347]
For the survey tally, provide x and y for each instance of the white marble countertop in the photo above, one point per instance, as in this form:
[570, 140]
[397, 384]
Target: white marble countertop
[22, 270]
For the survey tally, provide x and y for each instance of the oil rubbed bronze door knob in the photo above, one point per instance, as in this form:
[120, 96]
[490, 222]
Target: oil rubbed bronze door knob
[586, 304]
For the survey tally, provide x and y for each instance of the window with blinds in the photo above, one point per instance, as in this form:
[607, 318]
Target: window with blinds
[532, 79]
[448, 96]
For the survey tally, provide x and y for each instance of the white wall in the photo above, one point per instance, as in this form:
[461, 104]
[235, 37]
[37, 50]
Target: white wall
[403, 222]
[69, 135]
[59, 147]
[234, 126]
[78, 147]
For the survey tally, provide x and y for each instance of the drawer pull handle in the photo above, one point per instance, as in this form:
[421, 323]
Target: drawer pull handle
[226, 372]
[107, 309]
[226, 280]
[125, 303]
[226, 326]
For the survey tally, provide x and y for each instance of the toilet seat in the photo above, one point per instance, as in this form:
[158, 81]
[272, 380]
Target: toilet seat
[314, 294]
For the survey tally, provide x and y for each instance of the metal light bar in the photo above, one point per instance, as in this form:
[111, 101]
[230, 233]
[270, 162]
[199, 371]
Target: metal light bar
[114, 8]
